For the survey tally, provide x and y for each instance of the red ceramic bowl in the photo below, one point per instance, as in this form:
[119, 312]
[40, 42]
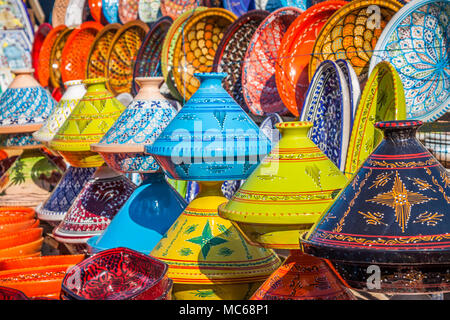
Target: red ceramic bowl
[39, 37]
[116, 274]
[11, 294]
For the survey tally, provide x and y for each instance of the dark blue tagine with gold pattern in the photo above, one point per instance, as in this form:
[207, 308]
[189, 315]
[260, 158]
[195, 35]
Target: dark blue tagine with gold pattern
[394, 214]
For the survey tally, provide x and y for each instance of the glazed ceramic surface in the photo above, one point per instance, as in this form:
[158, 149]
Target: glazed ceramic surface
[351, 33]
[74, 92]
[76, 12]
[110, 9]
[392, 214]
[149, 10]
[328, 107]
[184, 149]
[258, 70]
[61, 199]
[11, 294]
[43, 71]
[94, 207]
[231, 52]
[272, 213]
[15, 49]
[19, 141]
[14, 15]
[240, 7]
[59, 12]
[295, 49]
[116, 274]
[144, 219]
[95, 8]
[56, 57]
[41, 33]
[175, 8]
[353, 86]
[416, 43]
[128, 10]
[382, 100]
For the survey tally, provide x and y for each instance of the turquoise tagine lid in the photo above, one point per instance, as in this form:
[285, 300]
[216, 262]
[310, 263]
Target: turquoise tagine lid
[211, 138]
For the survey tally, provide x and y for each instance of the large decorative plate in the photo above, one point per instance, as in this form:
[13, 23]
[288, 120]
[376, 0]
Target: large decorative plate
[75, 54]
[240, 7]
[175, 8]
[95, 7]
[301, 4]
[76, 13]
[291, 73]
[59, 12]
[417, 43]
[148, 61]
[42, 32]
[122, 54]
[328, 107]
[353, 85]
[352, 33]
[14, 15]
[231, 52]
[98, 52]
[203, 32]
[149, 10]
[15, 49]
[383, 99]
[128, 10]
[43, 70]
[110, 9]
[258, 71]
[55, 57]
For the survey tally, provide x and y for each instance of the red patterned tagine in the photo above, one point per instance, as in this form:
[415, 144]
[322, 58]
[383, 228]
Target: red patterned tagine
[393, 215]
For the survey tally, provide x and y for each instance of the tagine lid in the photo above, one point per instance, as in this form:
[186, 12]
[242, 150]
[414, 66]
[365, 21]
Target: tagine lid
[25, 105]
[393, 210]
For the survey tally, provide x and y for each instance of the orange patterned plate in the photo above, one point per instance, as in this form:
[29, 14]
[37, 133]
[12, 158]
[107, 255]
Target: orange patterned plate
[19, 238]
[122, 54]
[98, 52]
[201, 36]
[55, 57]
[43, 70]
[75, 53]
[34, 262]
[18, 226]
[22, 250]
[16, 214]
[175, 8]
[351, 33]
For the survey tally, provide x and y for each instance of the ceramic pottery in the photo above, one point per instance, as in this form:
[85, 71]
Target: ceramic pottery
[228, 188]
[95, 206]
[95, 8]
[148, 60]
[14, 15]
[303, 277]
[25, 105]
[75, 53]
[351, 34]
[59, 12]
[207, 256]
[128, 10]
[203, 32]
[116, 274]
[15, 50]
[240, 7]
[29, 180]
[184, 148]
[382, 100]
[33, 262]
[18, 141]
[353, 86]
[98, 54]
[270, 214]
[21, 237]
[121, 55]
[76, 13]
[144, 219]
[43, 70]
[416, 44]
[74, 92]
[258, 70]
[11, 294]
[175, 8]
[88, 122]
[61, 199]
[110, 9]
[18, 226]
[122, 147]
[231, 52]
[149, 10]
[56, 57]
[291, 72]
[392, 214]
[16, 214]
[328, 107]
[41, 33]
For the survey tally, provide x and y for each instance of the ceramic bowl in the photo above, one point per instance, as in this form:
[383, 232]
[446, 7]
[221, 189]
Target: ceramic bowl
[11, 294]
[16, 214]
[18, 226]
[35, 262]
[43, 70]
[28, 249]
[20, 238]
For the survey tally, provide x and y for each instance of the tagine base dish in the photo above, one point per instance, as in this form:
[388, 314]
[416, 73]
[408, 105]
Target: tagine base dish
[237, 291]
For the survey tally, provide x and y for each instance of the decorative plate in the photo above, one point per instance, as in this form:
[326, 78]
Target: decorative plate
[121, 56]
[128, 10]
[14, 15]
[291, 73]
[95, 7]
[76, 13]
[59, 12]
[351, 34]
[55, 57]
[43, 69]
[75, 52]
[98, 52]
[15, 49]
[416, 42]
[110, 9]
[258, 70]
[149, 10]
[240, 7]
[203, 32]
[42, 32]
[353, 86]
[327, 106]
[148, 61]
[231, 51]
[175, 8]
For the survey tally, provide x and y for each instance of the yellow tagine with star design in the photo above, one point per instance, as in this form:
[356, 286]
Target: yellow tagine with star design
[287, 192]
[208, 258]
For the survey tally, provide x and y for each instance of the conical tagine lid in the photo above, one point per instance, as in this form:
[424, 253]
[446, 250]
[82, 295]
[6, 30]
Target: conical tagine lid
[25, 105]
[74, 92]
[287, 192]
[393, 211]
[211, 138]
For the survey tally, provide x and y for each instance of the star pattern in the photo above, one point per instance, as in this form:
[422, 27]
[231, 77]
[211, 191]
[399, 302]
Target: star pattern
[207, 240]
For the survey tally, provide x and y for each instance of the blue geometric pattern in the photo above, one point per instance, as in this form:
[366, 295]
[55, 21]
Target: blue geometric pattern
[18, 140]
